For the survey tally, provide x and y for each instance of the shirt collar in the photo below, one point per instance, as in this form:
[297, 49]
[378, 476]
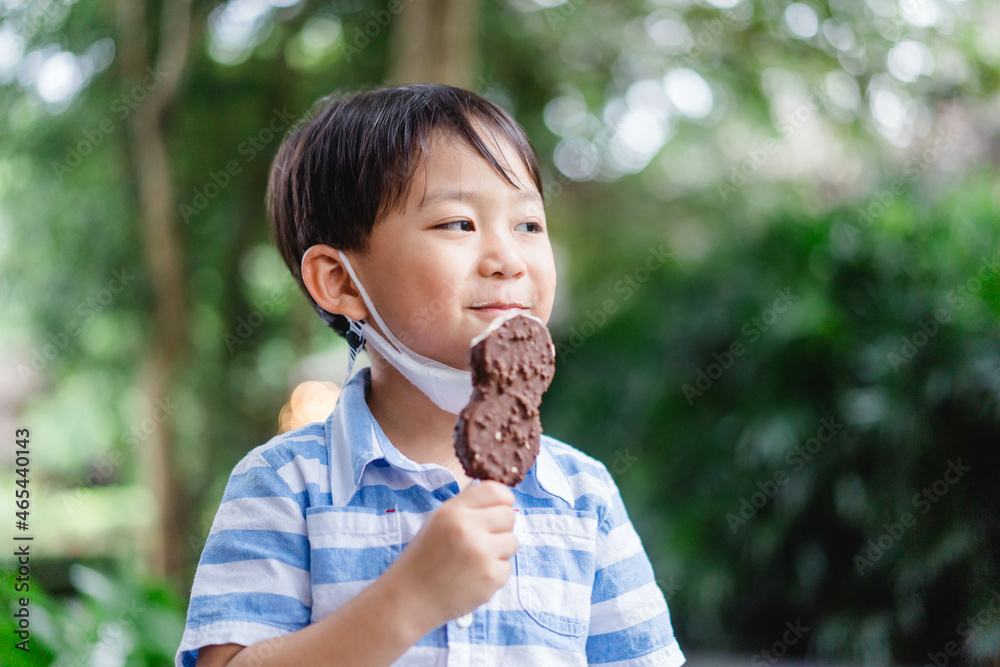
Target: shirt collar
[352, 424]
[351, 440]
[549, 475]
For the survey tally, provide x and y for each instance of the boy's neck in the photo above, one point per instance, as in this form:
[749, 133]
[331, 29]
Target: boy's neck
[412, 422]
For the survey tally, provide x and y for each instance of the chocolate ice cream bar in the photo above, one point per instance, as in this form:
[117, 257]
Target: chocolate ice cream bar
[497, 434]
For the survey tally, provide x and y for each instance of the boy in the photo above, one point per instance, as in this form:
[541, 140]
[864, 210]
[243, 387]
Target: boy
[360, 540]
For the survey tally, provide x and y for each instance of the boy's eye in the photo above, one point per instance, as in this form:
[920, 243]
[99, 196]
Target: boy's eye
[466, 225]
[537, 227]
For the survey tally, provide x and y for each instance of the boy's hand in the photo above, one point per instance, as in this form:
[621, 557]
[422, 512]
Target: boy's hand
[461, 555]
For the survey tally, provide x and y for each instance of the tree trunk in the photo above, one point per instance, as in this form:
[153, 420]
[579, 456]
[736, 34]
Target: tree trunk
[437, 42]
[164, 258]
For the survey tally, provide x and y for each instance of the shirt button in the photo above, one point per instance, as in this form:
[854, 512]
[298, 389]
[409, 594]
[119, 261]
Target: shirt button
[464, 621]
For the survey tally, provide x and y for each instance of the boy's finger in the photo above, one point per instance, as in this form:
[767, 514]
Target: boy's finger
[485, 494]
[504, 545]
[497, 519]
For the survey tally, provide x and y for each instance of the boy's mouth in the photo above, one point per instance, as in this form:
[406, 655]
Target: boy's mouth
[496, 309]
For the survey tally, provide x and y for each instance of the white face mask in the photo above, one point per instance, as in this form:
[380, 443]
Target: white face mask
[449, 388]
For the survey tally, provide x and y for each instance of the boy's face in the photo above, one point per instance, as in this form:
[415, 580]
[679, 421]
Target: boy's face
[432, 269]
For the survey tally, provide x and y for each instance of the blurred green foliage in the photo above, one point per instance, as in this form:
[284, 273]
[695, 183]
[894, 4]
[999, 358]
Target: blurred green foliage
[808, 169]
[118, 619]
[687, 460]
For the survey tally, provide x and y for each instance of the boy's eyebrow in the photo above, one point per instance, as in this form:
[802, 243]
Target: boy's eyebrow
[459, 195]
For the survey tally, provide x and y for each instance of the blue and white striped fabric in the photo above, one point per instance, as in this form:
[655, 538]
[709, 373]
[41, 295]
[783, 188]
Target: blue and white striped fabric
[316, 514]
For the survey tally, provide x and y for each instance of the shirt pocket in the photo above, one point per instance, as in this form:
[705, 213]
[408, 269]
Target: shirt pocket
[555, 567]
[349, 547]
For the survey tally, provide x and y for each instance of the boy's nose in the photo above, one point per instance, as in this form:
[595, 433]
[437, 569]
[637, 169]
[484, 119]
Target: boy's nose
[500, 255]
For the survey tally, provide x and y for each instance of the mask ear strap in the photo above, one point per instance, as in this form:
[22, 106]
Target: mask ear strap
[354, 335]
[355, 343]
[373, 313]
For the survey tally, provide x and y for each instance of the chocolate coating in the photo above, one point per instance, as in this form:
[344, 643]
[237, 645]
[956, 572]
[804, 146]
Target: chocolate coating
[497, 434]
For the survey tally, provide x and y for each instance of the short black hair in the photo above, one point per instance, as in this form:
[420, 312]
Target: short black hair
[351, 160]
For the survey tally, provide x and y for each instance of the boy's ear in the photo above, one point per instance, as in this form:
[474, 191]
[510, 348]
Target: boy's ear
[330, 284]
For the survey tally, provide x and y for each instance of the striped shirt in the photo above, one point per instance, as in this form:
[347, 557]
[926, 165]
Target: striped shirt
[310, 518]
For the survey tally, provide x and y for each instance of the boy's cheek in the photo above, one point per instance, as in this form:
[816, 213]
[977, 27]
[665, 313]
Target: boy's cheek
[418, 322]
[405, 337]
[543, 309]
